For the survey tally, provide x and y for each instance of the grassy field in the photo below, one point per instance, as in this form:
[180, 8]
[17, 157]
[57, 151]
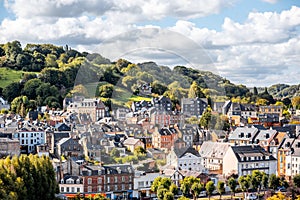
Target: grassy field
[8, 76]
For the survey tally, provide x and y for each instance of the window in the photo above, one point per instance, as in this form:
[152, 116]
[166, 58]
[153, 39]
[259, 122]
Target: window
[89, 188]
[116, 187]
[89, 181]
[123, 178]
[99, 188]
[73, 189]
[116, 179]
[99, 180]
[108, 179]
[108, 188]
[68, 189]
[78, 190]
[123, 186]
[62, 189]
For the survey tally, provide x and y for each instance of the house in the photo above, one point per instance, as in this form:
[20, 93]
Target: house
[242, 160]
[4, 104]
[120, 113]
[243, 135]
[264, 137]
[271, 110]
[163, 119]
[119, 180]
[62, 127]
[289, 157]
[164, 138]
[140, 105]
[185, 159]
[132, 143]
[70, 185]
[145, 89]
[212, 154]
[142, 184]
[162, 103]
[69, 147]
[9, 147]
[193, 106]
[89, 110]
[174, 174]
[29, 138]
[93, 179]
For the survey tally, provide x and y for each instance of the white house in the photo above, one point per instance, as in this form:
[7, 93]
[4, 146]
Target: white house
[186, 158]
[29, 138]
[212, 154]
[142, 184]
[242, 160]
[71, 185]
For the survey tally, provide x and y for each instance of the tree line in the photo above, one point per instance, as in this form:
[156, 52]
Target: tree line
[258, 181]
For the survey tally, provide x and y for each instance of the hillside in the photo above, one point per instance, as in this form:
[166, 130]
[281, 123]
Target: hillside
[45, 74]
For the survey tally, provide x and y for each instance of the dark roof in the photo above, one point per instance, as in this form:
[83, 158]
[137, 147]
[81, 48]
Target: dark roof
[251, 151]
[180, 152]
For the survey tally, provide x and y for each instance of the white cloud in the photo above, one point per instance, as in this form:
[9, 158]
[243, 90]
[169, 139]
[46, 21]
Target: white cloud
[270, 1]
[260, 50]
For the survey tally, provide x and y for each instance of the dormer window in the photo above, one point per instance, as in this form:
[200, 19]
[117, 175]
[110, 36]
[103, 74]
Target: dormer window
[78, 181]
[62, 181]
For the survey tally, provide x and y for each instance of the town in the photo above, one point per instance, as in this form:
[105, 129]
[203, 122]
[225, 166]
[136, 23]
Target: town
[119, 153]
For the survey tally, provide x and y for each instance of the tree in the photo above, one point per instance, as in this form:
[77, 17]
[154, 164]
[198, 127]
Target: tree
[296, 180]
[232, 183]
[265, 181]
[210, 187]
[161, 193]
[168, 196]
[221, 188]
[196, 188]
[256, 179]
[115, 153]
[173, 189]
[106, 90]
[30, 88]
[195, 91]
[205, 119]
[274, 181]
[11, 91]
[156, 183]
[158, 88]
[244, 183]
[187, 183]
[296, 101]
[255, 92]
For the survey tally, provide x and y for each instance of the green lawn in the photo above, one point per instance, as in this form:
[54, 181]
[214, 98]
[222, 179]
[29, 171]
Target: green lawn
[8, 76]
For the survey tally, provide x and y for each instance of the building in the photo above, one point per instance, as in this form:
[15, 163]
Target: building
[193, 106]
[69, 147]
[164, 138]
[186, 158]
[162, 103]
[271, 110]
[140, 105]
[70, 186]
[242, 160]
[132, 143]
[142, 184]
[243, 135]
[29, 138]
[9, 147]
[88, 110]
[212, 154]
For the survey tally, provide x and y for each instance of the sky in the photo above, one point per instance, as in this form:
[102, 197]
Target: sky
[255, 43]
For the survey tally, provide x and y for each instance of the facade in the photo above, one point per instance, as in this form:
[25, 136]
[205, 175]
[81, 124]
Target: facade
[193, 106]
[186, 158]
[271, 110]
[212, 154]
[242, 160]
[140, 105]
[71, 185]
[142, 184]
[69, 147]
[29, 138]
[132, 143]
[243, 135]
[9, 147]
[162, 103]
[164, 138]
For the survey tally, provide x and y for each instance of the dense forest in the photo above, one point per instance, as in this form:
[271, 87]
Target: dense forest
[49, 73]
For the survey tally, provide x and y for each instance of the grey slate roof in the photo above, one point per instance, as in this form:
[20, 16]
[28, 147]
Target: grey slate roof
[247, 151]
